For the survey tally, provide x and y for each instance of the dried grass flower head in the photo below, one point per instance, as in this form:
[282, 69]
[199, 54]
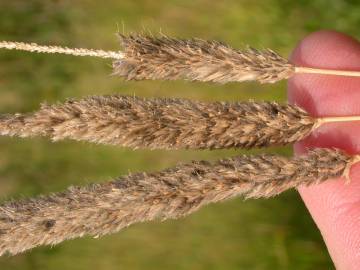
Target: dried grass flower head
[165, 58]
[163, 123]
[149, 57]
[160, 123]
[173, 193]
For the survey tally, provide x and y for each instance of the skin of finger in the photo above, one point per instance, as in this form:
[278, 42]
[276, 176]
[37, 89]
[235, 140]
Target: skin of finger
[334, 205]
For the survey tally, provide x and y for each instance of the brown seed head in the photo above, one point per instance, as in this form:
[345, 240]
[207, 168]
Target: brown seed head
[164, 123]
[165, 58]
[107, 208]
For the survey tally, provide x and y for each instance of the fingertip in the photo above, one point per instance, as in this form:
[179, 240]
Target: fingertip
[323, 94]
[333, 205]
[318, 46]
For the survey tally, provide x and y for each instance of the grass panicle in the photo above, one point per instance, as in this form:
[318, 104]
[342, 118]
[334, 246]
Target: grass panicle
[36, 48]
[165, 58]
[101, 209]
[159, 123]
[148, 57]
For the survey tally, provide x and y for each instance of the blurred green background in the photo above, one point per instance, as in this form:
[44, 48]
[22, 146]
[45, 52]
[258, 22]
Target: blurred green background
[256, 234]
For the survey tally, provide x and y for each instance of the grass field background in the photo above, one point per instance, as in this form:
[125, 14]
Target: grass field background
[265, 234]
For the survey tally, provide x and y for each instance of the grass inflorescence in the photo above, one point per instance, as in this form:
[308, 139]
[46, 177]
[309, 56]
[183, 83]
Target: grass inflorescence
[159, 123]
[101, 209]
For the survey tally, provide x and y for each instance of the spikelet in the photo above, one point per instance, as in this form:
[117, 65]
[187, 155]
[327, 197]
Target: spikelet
[164, 123]
[165, 58]
[107, 208]
[36, 48]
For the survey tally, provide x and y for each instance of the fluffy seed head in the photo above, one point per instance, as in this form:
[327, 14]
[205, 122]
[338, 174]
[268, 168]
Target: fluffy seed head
[165, 58]
[164, 123]
[106, 208]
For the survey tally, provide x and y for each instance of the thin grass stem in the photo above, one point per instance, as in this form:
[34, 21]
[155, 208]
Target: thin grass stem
[320, 71]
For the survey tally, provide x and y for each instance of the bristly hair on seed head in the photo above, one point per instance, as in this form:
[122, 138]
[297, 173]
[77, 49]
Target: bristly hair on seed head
[165, 58]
